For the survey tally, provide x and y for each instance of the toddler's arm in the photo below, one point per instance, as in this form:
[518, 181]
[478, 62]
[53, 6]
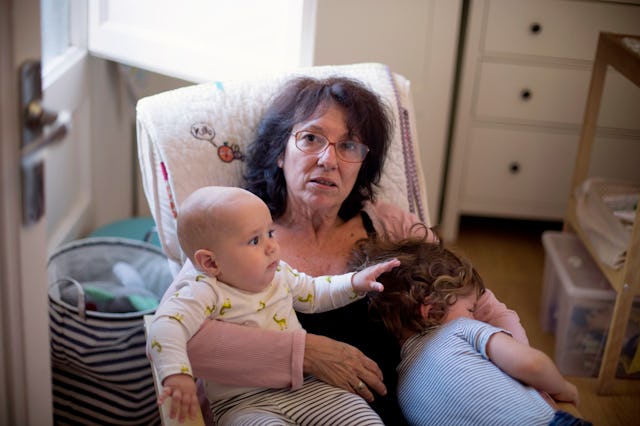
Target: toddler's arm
[490, 310]
[320, 294]
[176, 320]
[531, 366]
[365, 280]
[184, 399]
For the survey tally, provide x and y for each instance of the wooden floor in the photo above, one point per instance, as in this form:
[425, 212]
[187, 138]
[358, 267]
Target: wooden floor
[510, 257]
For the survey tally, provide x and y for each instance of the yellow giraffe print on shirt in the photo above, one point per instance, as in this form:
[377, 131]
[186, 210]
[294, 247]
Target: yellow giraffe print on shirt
[208, 310]
[156, 345]
[177, 316]
[294, 273]
[225, 306]
[281, 322]
[200, 277]
[184, 369]
[261, 306]
[308, 299]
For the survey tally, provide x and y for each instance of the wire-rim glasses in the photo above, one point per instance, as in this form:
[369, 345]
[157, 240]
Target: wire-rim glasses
[315, 143]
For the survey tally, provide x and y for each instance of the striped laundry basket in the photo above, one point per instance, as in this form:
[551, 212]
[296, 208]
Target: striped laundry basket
[99, 291]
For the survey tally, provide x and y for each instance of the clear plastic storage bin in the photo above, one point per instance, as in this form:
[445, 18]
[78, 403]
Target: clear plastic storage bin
[577, 305]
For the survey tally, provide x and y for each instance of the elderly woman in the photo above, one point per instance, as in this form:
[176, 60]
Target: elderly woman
[316, 160]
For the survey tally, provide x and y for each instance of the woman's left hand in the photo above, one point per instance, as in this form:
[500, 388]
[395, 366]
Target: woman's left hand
[342, 365]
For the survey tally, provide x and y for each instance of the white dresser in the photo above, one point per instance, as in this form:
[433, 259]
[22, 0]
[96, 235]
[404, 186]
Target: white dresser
[524, 80]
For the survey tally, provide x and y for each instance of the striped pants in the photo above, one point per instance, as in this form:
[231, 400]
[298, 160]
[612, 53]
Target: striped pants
[315, 404]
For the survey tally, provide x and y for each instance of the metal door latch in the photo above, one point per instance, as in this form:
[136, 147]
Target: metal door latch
[40, 128]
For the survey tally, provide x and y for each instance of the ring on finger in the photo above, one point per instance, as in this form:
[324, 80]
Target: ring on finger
[360, 386]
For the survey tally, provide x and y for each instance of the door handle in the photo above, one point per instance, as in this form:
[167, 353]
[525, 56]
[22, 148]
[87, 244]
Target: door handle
[40, 128]
[53, 127]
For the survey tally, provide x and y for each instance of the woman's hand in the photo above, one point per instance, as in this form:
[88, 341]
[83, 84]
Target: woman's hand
[342, 365]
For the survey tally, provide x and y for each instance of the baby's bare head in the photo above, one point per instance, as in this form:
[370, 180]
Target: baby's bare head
[209, 213]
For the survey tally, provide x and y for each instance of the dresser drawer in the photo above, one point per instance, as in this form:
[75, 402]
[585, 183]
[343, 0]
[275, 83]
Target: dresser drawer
[517, 173]
[527, 174]
[565, 29]
[552, 95]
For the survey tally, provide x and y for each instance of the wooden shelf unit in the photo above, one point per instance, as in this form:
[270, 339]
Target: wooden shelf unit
[612, 51]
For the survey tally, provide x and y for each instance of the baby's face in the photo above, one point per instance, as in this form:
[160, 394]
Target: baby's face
[247, 252]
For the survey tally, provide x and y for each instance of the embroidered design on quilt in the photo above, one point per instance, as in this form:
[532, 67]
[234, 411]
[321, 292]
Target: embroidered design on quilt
[227, 152]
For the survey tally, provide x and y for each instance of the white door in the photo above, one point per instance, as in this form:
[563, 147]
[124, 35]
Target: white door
[25, 377]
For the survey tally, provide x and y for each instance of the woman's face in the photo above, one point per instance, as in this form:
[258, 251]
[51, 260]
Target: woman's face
[319, 181]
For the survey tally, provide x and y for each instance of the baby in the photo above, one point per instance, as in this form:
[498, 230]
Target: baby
[238, 276]
[455, 369]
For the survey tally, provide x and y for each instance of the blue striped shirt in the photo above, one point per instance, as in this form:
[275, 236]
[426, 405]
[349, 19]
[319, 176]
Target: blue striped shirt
[446, 378]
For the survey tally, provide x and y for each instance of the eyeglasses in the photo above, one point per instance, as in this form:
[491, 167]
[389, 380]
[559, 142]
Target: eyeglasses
[312, 143]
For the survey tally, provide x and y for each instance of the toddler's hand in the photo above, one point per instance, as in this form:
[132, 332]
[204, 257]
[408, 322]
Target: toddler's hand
[569, 394]
[184, 399]
[365, 280]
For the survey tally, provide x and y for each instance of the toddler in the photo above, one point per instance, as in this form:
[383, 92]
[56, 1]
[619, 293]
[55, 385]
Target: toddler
[456, 370]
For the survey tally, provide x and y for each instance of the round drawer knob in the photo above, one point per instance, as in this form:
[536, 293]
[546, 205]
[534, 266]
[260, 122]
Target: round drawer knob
[525, 94]
[514, 168]
[535, 28]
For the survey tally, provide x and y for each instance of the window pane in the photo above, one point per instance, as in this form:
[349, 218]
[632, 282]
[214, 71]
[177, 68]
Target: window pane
[55, 29]
[203, 40]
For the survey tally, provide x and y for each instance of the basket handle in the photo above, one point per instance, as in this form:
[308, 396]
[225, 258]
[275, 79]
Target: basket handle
[149, 234]
[81, 297]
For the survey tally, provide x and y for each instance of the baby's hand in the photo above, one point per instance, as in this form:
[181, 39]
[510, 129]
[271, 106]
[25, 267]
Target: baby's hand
[365, 280]
[184, 399]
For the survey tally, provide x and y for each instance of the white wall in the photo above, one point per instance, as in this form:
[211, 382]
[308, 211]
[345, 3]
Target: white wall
[114, 92]
[111, 145]
[416, 38]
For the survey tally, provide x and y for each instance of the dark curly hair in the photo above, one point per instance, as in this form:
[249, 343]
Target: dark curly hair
[303, 98]
[427, 270]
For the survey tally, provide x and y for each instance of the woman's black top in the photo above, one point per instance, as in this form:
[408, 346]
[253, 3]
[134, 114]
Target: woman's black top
[353, 324]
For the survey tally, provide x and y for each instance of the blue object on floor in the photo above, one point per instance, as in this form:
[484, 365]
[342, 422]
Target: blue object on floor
[135, 228]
